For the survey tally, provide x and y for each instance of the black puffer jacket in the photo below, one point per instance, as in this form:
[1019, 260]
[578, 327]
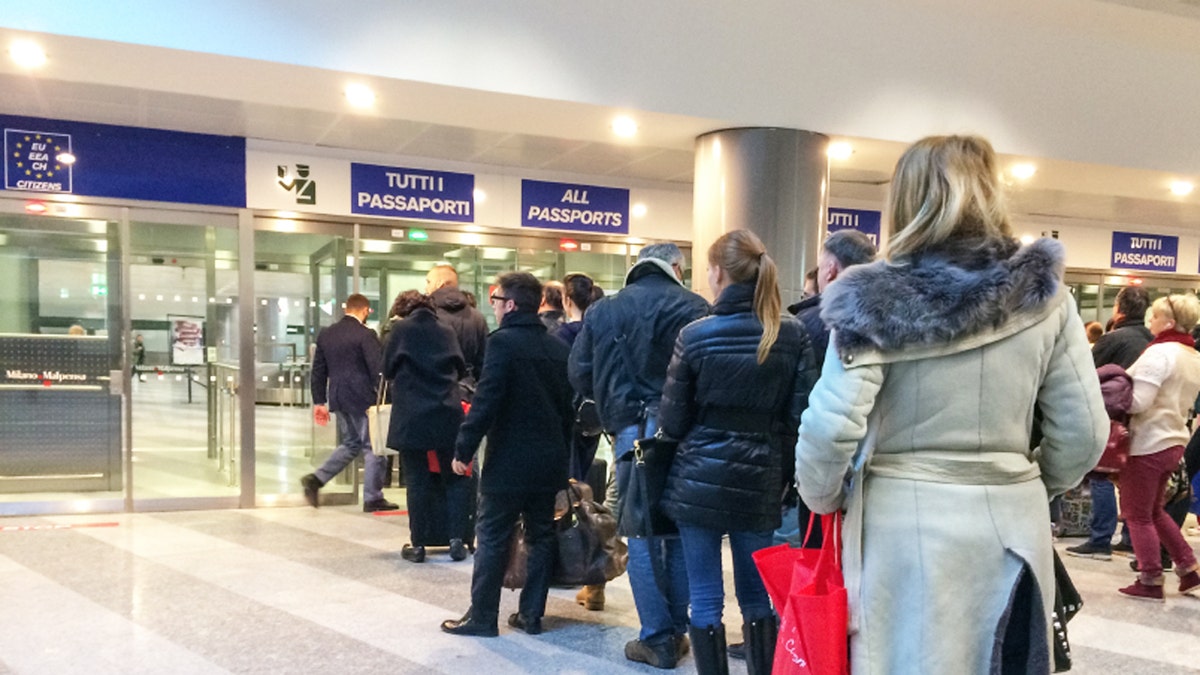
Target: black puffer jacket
[620, 358]
[1123, 344]
[733, 416]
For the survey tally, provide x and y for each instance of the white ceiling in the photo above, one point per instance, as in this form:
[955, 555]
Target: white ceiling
[503, 91]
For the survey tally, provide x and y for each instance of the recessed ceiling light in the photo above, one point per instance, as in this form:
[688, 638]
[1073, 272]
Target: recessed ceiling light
[480, 196]
[1022, 170]
[1028, 239]
[624, 126]
[359, 95]
[639, 210]
[65, 158]
[839, 150]
[1182, 187]
[27, 54]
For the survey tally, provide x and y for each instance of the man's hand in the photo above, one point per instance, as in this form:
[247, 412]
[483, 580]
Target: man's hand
[321, 415]
[458, 467]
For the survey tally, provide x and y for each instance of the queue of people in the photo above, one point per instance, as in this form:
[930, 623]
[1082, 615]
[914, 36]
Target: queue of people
[905, 389]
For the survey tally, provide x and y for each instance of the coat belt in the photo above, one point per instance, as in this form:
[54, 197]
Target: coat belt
[958, 468]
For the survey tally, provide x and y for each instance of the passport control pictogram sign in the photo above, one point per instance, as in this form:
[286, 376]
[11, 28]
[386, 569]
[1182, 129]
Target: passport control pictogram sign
[31, 161]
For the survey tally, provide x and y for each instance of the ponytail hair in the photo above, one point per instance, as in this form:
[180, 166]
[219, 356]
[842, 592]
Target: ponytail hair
[744, 258]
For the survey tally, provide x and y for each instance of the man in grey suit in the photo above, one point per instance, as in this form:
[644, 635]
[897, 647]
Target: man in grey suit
[345, 373]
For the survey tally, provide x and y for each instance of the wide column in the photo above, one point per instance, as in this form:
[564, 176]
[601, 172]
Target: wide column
[773, 182]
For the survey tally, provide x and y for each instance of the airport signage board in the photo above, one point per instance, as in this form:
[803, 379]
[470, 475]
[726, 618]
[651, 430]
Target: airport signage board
[867, 222]
[579, 208]
[398, 192]
[1139, 251]
[104, 160]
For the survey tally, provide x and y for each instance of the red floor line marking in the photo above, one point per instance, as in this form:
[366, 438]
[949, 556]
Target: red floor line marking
[391, 513]
[31, 528]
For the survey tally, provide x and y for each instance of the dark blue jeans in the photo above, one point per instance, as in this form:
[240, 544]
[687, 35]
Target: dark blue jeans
[355, 439]
[702, 551]
[1104, 513]
[657, 574]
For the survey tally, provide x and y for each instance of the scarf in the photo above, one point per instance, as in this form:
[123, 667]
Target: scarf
[1172, 335]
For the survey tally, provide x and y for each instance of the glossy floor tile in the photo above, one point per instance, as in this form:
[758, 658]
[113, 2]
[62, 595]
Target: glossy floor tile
[291, 590]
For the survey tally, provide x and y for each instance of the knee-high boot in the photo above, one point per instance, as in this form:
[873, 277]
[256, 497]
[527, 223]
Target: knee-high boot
[708, 648]
[760, 636]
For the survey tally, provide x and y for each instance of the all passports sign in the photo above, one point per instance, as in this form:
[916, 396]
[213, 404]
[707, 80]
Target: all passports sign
[412, 193]
[1137, 251]
[581, 208]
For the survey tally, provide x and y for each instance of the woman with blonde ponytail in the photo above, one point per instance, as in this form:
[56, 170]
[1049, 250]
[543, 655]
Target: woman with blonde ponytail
[736, 386]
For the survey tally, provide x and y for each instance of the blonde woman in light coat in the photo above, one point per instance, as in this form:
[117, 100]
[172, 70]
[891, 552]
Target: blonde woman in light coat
[939, 357]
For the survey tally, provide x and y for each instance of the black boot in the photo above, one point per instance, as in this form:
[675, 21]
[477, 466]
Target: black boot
[708, 648]
[760, 637]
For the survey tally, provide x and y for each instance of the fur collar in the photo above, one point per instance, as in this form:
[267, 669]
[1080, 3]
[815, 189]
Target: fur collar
[941, 295]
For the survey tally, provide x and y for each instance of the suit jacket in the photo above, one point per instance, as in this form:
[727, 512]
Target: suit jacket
[345, 367]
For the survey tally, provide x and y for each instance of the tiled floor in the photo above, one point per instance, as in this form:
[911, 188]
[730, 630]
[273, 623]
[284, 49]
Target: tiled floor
[290, 590]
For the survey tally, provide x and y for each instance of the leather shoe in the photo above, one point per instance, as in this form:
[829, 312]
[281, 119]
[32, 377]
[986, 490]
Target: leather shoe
[529, 626]
[457, 550]
[379, 505]
[469, 626]
[312, 487]
[412, 553]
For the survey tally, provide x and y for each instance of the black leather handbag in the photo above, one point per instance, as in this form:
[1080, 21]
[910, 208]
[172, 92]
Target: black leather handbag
[641, 513]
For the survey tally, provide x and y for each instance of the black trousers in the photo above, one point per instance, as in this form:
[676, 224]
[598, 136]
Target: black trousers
[498, 514]
[438, 503]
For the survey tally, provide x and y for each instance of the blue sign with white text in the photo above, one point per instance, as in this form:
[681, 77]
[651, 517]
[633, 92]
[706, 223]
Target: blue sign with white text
[582, 208]
[412, 193]
[103, 160]
[867, 222]
[1137, 251]
[35, 160]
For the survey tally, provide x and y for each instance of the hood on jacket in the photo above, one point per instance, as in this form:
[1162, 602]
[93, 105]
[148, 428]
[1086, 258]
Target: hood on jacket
[940, 295]
[449, 298]
[643, 268]
[1116, 386]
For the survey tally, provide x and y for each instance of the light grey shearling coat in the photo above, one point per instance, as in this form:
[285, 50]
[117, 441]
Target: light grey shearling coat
[939, 362]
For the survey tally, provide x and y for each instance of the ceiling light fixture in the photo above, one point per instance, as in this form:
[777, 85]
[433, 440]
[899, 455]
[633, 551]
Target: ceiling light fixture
[359, 95]
[1182, 187]
[27, 54]
[639, 210]
[480, 196]
[839, 150]
[624, 126]
[65, 158]
[1022, 170]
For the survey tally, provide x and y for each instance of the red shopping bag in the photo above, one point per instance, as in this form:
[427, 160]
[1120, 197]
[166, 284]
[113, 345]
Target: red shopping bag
[814, 615]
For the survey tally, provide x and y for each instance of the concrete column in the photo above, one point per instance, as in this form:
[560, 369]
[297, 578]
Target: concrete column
[773, 182]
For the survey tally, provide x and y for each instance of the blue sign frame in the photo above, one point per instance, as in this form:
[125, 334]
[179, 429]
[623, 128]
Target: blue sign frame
[869, 223]
[123, 162]
[578, 208]
[398, 192]
[1140, 251]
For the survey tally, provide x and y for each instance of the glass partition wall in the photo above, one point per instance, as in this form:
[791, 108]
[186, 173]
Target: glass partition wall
[190, 384]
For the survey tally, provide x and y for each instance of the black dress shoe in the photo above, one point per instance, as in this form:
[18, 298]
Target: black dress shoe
[469, 626]
[379, 505]
[312, 486]
[529, 626]
[457, 550]
[413, 553]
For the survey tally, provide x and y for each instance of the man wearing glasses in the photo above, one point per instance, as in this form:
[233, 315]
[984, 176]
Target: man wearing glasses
[523, 404]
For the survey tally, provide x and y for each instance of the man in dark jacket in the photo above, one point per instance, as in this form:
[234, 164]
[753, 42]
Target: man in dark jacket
[523, 404]
[456, 311]
[840, 250]
[345, 373]
[620, 360]
[1121, 346]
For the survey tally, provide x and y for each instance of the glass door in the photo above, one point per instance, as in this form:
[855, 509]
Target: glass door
[183, 393]
[60, 359]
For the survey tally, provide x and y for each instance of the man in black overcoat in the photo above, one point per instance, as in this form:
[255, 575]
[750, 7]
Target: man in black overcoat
[523, 405]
